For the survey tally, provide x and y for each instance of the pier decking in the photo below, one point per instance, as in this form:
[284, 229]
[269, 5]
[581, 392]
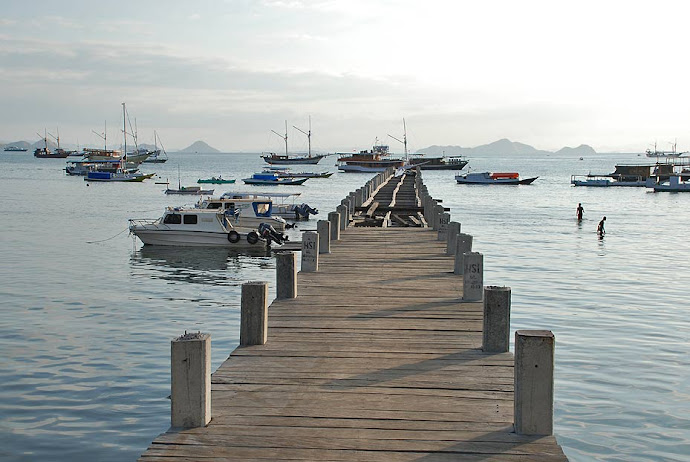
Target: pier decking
[377, 359]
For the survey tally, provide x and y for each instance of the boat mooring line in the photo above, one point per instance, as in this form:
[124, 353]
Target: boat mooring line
[96, 242]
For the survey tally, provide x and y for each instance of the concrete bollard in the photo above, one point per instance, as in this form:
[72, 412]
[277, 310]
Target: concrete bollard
[443, 221]
[473, 277]
[463, 244]
[438, 210]
[254, 313]
[534, 366]
[334, 218]
[323, 227]
[286, 275]
[342, 221]
[452, 235]
[190, 380]
[496, 331]
[310, 251]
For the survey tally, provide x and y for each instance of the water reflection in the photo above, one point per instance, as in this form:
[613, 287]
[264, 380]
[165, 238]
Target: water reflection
[197, 265]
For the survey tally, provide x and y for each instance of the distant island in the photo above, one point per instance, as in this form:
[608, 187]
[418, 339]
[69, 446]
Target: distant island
[503, 147]
[199, 146]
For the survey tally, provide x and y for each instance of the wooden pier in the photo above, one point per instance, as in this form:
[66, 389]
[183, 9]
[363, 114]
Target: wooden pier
[376, 359]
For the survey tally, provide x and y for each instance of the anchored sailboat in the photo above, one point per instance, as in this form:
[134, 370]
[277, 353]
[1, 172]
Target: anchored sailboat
[277, 159]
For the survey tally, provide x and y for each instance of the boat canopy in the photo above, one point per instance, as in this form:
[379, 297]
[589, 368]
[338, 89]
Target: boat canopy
[249, 195]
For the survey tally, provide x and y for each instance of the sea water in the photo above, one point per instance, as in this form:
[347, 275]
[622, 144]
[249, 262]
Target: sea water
[87, 313]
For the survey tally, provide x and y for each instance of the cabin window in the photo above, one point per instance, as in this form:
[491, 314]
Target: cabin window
[214, 205]
[172, 219]
[262, 209]
[190, 219]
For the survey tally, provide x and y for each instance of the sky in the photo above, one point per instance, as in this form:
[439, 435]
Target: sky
[610, 74]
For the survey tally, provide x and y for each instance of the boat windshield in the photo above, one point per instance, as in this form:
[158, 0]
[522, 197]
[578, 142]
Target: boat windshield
[262, 209]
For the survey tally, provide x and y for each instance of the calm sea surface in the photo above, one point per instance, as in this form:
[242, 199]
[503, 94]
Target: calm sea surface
[87, 313]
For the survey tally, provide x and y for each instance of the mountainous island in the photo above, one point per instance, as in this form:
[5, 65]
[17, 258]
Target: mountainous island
[503, 147]
[199, 146]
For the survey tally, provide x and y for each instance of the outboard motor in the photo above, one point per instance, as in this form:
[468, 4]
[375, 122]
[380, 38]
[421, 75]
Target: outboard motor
[303, 210]
[269, 233]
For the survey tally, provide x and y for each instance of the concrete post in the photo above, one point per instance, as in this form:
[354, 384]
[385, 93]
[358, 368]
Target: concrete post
[254, 313]
[438, 210]
[534, 365]
[473, 276]
[323, 227]
[496, 332]
[443, 221]
[286, 275]
[190, 380]
[342, 222]
[463, 244]
[310, 251]
[334, 218]
[453, 231]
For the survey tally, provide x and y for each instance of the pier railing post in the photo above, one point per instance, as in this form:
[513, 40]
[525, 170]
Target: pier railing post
[334, 218]
[496, 331]
[453, 231]
[323, 227]
[443, 221]
[342, 222]
[190, 380]
[534, 366]
[286, 275]
[463, 244]
[473, 276]
[310, 251]
[254, 313]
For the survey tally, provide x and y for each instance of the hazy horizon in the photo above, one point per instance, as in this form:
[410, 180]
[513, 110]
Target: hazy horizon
[462, 73]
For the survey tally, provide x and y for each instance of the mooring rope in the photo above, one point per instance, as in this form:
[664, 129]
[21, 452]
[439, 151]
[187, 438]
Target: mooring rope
[96, 242]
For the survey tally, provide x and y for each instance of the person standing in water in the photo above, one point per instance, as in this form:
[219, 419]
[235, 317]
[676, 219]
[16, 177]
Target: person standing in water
[580, 211]
[600, 228]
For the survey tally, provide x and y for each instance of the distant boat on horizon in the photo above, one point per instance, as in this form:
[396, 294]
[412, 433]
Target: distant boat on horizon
[15, 149]
[671, 153]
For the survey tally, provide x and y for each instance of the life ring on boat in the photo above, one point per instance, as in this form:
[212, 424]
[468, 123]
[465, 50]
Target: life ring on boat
[252, 237]
[234, 236]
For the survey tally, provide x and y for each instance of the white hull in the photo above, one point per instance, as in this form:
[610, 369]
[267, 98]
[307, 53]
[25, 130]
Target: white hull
[606, 183]
[194, 227]
[674, 184]
[192, 238]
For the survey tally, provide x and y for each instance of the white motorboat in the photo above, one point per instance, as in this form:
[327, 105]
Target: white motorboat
[195, 227]
[675, 183]
[606, 180]
[493, 178]
[245, 210]
[281, 208]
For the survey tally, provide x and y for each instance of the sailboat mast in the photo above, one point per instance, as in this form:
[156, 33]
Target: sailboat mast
[283, 137]
[124, 131]
[404, 140]
[405, 137]
[308, 135]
